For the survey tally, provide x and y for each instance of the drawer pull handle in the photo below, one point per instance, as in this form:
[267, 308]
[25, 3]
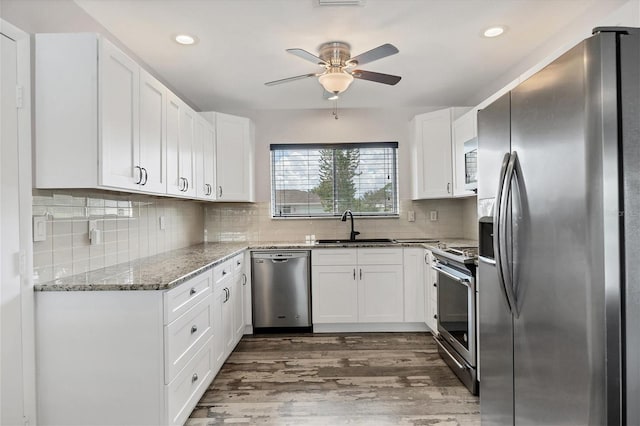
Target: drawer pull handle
[194, 328]
[238, 263]
[192, 291]
[224, 272]
[194, 378]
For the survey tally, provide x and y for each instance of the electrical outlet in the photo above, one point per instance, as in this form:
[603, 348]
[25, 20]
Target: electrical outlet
[163, 223]
[433, 215]
[411, 216]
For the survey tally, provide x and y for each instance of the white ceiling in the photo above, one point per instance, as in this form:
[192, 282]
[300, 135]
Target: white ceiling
[443, 59]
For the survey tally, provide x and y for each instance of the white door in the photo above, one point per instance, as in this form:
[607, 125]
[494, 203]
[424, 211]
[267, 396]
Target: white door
[17, 392]
[234, 158]
[153, 101]
[434, 174]
[238, 307]
[414, 300]
[186, 150]
[118, 111]
[204, 158]
[380, 293]
[174, 183]
[334, 295]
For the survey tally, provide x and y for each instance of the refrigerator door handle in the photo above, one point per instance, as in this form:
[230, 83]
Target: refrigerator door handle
[502, 239]
[497, 231]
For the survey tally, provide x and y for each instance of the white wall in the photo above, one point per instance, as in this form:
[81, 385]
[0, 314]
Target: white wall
[319, 126]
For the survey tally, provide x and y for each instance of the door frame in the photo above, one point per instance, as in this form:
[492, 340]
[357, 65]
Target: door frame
[23, 50]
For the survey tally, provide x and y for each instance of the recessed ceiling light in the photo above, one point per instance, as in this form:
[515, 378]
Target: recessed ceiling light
[185, 39]
[493, 31]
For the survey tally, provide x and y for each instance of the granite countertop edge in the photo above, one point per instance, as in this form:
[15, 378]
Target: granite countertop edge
[168, 270]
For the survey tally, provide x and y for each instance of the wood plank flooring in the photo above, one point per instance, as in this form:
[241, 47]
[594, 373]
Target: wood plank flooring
[336, 379]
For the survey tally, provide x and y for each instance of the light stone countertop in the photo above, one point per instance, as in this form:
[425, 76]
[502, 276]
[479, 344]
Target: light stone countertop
[167, 270]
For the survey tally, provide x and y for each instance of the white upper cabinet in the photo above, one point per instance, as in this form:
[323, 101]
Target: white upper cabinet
[119, 84]
[180, 148]
[205, 148]
[431, 155]
[234, 158]
[464, 130]
[153, 135]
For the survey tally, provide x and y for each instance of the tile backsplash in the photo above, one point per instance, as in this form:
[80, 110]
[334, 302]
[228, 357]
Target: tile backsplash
[456, 218]
[129, 224]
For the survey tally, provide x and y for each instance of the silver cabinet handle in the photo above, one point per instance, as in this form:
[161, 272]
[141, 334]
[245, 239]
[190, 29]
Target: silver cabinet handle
[192, 291]
[181, 184]
[194, 328]
[139, 174]
[244, 279]
[448, 188]
[194, 378]
[360, 273]
[425, 258]
[224, 272]
[219, 191]
[187, 185]
[146, 176]
[238, 263]
[354, 273]
[227, 295]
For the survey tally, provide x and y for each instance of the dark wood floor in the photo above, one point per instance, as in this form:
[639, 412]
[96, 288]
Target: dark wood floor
[336, 379]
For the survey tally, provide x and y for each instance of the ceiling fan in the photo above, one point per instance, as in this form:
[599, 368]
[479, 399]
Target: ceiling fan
[339, 72]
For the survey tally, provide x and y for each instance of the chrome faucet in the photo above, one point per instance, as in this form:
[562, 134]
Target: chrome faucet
[344, 219]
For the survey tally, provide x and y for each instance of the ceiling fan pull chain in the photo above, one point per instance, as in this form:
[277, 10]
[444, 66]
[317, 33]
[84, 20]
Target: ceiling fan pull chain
[335, 109]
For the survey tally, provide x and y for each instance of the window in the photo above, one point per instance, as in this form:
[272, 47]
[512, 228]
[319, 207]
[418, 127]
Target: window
[320, 180]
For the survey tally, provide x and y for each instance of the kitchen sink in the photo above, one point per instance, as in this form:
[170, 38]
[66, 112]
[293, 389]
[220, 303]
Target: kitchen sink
[357, 241]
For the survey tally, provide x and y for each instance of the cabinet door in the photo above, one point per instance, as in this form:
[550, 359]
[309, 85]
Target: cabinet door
[219, 344]
[464, 129]
[153, 103]
[205, 159]
[334, 294]
[186, 150]
[414, 300]
[432, 172]
[118, 110]
[234, 146]
[174, 183]
[238, 307]
[380, 293]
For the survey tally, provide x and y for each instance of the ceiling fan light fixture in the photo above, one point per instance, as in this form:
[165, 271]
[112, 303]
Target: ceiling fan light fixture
[335, 82]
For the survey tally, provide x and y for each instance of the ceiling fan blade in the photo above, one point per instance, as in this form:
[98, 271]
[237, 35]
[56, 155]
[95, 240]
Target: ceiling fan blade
[374, 54]
[376, 76]
[286, 80]
[301, 53]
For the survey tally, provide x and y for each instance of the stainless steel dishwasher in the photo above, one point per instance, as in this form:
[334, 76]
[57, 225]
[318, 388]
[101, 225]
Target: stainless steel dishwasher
[281, 289]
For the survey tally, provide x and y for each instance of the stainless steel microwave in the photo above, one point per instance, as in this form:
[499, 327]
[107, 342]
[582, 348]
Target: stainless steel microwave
[471, 165]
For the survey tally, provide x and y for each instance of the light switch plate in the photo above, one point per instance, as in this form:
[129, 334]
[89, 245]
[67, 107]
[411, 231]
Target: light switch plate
[411, 216]
[40, 228]
[433, 215]
[163, 223]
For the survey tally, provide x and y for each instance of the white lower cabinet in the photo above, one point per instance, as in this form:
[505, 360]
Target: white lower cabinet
[135, 357]
[334, 294]
[380, 293]
[363, 285]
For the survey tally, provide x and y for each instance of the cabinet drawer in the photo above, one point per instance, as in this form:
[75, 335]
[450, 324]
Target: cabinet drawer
[186, 389]
[184, 337]
[238, 263]
[380, 256]
[334, 257]
[179, 300]
[222, 271]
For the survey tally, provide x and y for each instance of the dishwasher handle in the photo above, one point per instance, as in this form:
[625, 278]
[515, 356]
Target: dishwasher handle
[279, 260]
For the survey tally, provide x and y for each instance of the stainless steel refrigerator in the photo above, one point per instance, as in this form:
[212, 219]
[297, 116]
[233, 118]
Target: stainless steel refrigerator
[559, 207]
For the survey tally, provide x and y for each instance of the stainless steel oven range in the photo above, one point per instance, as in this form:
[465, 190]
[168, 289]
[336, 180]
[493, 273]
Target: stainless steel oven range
[457, 338]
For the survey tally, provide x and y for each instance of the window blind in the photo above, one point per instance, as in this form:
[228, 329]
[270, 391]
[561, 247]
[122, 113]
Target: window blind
[323, 180]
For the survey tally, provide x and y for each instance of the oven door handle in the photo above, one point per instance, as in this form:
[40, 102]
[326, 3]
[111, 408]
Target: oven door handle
[461, 280]
[460, 366]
